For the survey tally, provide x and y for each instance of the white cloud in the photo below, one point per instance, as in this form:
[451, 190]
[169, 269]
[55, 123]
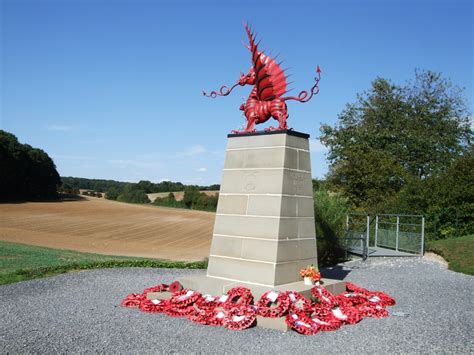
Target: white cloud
[315, 146]
[202, 170]
[59, 128]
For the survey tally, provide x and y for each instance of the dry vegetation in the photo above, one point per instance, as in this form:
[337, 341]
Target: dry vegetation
[109, 227]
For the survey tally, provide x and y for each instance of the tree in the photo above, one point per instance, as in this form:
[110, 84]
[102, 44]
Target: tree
[191, 196]
[26, 172]
[393, 135]
[112, 193]
[132, 194]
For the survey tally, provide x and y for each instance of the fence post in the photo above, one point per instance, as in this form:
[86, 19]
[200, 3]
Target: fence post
[368, 233]
[376, 228]
[422, 235]
[396, 235]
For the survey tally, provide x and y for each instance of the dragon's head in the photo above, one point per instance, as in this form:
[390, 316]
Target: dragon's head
[248, 79]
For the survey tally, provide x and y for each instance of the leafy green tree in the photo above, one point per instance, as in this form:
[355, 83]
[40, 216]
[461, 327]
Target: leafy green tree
[396, 134]
[112, 193]
[26, 172]
[133, 196]
[146, 186]
[447, 199]
[191, 196]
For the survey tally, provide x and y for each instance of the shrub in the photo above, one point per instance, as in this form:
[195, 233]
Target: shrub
[330, 212]
[133, 196]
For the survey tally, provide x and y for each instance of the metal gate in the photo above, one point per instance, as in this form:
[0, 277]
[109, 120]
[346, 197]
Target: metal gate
[384, 235]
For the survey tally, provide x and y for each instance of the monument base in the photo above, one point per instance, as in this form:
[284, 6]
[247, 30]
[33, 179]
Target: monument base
[216, 286]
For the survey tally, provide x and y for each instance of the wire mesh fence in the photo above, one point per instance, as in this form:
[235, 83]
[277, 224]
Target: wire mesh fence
[384, 235]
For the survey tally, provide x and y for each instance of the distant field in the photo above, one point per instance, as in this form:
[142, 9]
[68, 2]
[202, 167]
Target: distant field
[109, 227]
[178, 195]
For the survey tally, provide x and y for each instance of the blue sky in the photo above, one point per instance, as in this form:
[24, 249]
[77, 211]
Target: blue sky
[112, 89]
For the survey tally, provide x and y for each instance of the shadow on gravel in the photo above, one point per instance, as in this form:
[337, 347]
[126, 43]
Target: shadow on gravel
[335, 272]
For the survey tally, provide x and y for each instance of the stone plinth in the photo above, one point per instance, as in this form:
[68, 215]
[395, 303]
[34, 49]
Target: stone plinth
[264, 230]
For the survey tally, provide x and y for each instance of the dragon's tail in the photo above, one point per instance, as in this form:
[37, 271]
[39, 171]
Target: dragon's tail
[224, 91]
[303, 95]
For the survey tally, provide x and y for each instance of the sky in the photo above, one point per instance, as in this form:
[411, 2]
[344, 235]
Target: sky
[112, 89]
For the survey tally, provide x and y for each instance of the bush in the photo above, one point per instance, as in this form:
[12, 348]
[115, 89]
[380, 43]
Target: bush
[133, 196]
[330, 212]
[112, 193]
[168, 202]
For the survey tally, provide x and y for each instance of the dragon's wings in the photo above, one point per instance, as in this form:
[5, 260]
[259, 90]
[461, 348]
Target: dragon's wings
[270, 79]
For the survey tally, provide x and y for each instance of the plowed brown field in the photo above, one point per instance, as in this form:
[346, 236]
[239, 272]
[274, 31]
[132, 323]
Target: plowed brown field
[109, 227]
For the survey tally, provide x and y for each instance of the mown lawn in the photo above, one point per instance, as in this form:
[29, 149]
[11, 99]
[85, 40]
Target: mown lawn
[19, 262]
[458, 252]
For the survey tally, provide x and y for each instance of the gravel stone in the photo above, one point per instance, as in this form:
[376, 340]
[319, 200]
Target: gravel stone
[80, 312]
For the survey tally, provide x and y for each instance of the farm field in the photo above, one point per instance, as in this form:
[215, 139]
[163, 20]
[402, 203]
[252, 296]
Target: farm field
[108, 227]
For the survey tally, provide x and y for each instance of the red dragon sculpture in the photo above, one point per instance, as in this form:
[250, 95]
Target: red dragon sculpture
[266, 98]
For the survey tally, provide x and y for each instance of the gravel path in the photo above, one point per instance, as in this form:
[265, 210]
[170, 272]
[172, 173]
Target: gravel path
[80, 312]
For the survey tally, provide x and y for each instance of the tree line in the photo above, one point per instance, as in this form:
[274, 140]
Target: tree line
[25, 172]
[137, 192]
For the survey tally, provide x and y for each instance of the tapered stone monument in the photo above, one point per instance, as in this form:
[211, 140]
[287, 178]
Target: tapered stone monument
[264, 231]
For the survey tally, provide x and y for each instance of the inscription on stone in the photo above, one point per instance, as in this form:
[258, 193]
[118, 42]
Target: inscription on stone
[250, 182]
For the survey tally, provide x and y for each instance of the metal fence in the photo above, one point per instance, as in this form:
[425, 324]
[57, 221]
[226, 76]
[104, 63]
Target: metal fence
[384, 235]
[400, 232]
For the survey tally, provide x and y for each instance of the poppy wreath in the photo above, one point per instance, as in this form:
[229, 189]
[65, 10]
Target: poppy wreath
[240, 317]
[354, 288]
[175, 287]
[178, 312]
[199, 315]
[298, 302]
[385, 299]
[372, 310]
[301, 323]
[323, 295]
[153, 306]
[216, 316]
[133, 300]
[323, 317]
[347, 315]
[157, 288]
[351, 298]
[326, 324]
[238, 296]
[233, 310]
[279, 300]
[184, 298]
[207, 302]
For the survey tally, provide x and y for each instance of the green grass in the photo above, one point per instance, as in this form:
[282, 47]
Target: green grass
[458, 252]
[19, 262]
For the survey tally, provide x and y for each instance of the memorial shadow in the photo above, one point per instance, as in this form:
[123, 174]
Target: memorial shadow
[335, 272]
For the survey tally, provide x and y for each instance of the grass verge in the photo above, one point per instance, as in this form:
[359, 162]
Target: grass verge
[458, 252]
[19, 262]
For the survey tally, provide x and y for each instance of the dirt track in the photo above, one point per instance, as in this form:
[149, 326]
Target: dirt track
[109, 227]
